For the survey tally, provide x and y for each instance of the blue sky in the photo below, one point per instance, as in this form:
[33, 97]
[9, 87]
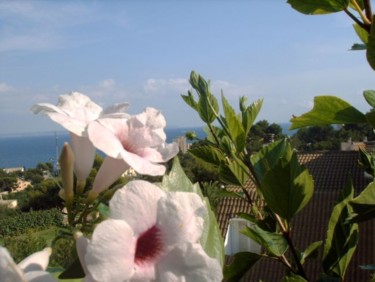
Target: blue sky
[142, 52]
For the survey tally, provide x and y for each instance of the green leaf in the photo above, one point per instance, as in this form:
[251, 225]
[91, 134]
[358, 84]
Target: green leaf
[103, 210]
[189, 99]
[74, 271]
[316, 7]
[362, 33]
[208, 154]
[242, 263]
[311, 251]
[370, 97]
[358, 47]
[234, 172]
[268, 156]
[249, 114]
[370, 53]
[207, 105]
[342, 237]
[329, 110]
[364, 205]
[274, 243]
[211, 240]
[370, 116]
[233, 125]
[293, 278]
[287, 187]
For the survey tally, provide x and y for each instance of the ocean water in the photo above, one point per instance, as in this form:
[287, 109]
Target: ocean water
[29, 150]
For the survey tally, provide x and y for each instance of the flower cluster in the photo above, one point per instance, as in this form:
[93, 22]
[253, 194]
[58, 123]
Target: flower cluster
[150, 234]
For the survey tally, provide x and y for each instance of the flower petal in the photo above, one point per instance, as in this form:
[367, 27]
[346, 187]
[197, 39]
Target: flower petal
[39, 276]
[136, 203]
[189, 262]
[186, 224]
[110, 170]
[36, 261]
[9, 271]
[110, 253]
[84, 152]
[142, 165]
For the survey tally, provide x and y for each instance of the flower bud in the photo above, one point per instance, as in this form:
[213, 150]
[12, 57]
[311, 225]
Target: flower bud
[66, 167]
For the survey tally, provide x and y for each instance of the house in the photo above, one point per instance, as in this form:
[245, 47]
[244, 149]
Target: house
[330, 171]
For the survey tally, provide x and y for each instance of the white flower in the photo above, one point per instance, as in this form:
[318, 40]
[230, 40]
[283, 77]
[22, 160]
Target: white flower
[31, 269]
[74, 112]
[151, 235]
[139, 142]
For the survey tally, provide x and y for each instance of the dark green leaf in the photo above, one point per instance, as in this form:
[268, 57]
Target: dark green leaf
[370, 116]
[362, 34]
[364, 205]
[287, 187]
[316, 7]
[233, 125]
[242, 262]
[274, 243]
[342, 237]
[311, 251]
[293, 278]
[189, 99]
[329, 110]
[370, 54]
[74, 271]
[358, 47]
[370, 97]
[234, 172]
[268, 156]
[208, 154]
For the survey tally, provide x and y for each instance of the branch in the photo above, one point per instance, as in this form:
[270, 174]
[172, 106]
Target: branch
[368, 10]
[357, 21]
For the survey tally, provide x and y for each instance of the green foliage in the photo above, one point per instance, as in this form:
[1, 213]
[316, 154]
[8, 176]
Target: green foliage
[294, 184]
[63, 253]
[364, 205]
[22, 246]
[242, 263]
[342, 237]
[38, 220]
[329, 110]
[370, 53]
[275, 243]
[317, 7]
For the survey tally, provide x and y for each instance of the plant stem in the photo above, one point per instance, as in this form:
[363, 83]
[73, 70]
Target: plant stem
[357, 21]
[365, 20]
[368, 10]
[286, 234]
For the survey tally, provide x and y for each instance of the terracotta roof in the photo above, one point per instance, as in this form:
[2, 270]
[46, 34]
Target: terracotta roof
[330, 171]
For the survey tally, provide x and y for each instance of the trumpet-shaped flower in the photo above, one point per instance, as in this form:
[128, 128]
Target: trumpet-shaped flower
[31, 269]
[151, 235]
[139, 142]
[74, 112]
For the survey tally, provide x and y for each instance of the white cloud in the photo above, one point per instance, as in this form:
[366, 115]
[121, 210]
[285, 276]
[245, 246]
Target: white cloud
[108, 83]
[5, 87]
[158, 86]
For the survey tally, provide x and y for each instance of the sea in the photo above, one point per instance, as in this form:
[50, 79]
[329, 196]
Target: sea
[27, 150]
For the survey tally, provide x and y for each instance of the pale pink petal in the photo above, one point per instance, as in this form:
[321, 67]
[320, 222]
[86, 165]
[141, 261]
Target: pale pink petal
[84, 152]
[110, 170]
[36, 261]
[102, 136]
[188, 262]
[39, 276]
[161, 154]
[136, 203]
[81, 246]
[9, 271]
[110, 254]
[186, 224]
[142, 165]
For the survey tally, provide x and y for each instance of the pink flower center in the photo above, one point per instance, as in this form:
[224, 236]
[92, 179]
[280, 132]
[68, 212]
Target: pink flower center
[149, 246]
